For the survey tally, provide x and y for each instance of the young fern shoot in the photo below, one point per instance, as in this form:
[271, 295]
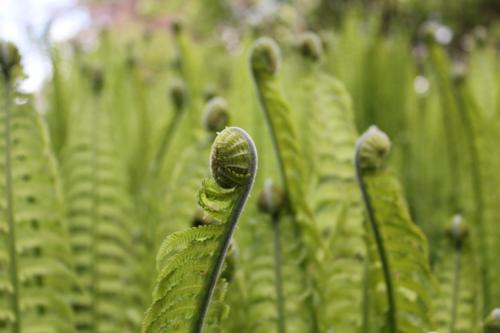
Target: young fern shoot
[189, 296]
[400, 250]
[371, 149]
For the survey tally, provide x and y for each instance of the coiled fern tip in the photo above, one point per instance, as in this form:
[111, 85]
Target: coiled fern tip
[233, 158]
[372, 148]
[265, 57]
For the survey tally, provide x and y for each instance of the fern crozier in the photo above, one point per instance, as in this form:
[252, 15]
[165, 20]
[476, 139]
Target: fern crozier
[310, 46]
[492, 322]
[373, 147]
[231, 159]
[272, 198]
[215, 115]
[265, 57]
[9, 58]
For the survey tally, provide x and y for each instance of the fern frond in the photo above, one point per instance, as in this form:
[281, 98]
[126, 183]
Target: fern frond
[97, 202]
[338, 208]
[483, 165]
[264, 60]
[188, 296]
[399, 269]
[35, 276]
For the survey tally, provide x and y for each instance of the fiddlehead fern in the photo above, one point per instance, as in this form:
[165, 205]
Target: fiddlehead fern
[189, 262]
[400, 247]
[215, 115]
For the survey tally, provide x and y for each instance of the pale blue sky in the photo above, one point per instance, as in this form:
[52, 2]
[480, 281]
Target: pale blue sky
[25, 22]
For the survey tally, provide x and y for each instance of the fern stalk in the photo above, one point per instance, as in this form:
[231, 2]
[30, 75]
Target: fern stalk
[232, 222]
[13, 270]
[391, 315]
[94, 125]
[456, 288]
[280, 302]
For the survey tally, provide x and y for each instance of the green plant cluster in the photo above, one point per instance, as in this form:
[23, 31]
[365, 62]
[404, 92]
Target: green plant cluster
[361, 196]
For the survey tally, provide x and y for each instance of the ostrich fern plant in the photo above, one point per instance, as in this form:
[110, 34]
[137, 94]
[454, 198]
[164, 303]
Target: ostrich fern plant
[335, 236]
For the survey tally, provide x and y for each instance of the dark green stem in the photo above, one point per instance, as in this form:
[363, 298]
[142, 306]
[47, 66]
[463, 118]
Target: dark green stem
[94, 124]
[278, 277]
[226, 242]
[391, 314]
[14, 279]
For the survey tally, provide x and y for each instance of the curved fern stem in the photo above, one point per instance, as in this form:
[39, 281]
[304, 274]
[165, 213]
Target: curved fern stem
[371, 134]
[232, 222]
[278, 275]
[13, 272]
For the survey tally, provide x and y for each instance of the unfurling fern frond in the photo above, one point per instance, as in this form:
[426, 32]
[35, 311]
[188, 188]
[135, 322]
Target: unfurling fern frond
[189, 296]
[35, 277]
[264, 61]
[399, 269]
[457, 307]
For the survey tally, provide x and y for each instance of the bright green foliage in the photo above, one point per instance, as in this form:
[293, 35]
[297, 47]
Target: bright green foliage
[132, 108]
[35, 258]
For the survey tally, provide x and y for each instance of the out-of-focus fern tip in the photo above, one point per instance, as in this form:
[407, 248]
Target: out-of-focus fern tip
[176, 26]
[492, 322]
[177, 93]
[209, 92]
[310, 46]
[231, 160]
[97, 80]
[457, 231]
[272, 198]
[373, 147]
[215, 115]
[9, 58]
[265, 57]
